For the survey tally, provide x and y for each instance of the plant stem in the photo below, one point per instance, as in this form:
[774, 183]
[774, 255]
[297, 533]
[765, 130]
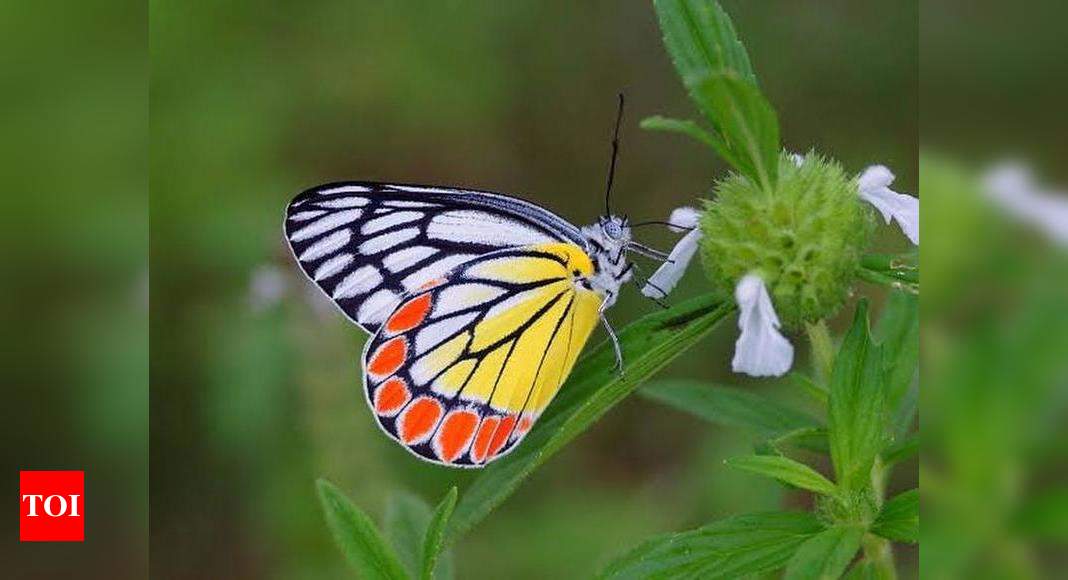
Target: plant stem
[877, 551]
[822, 349]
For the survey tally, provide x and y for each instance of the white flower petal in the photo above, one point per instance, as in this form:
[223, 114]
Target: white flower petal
[874, 187]
[684, 217]
[761, 350]
[1012, 187]
[669, 273]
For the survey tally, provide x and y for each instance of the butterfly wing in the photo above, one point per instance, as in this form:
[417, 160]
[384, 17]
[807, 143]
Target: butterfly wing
[366, 245]
[460, 371]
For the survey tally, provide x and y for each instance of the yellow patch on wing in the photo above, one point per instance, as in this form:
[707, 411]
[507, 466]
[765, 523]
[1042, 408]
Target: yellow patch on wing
[533, 268]
[508, 316]
[565, 348]
[525, 363]
[481, 384]
[450, 381]
[429, 365]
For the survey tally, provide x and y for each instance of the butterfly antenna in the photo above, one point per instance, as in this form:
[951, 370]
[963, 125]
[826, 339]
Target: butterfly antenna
[660, 223]
[615, 155]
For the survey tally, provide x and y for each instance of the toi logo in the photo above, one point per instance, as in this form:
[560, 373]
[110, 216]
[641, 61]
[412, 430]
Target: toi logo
[51, 506]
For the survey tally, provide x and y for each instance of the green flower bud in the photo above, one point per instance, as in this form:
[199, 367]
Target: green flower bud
[804, 239]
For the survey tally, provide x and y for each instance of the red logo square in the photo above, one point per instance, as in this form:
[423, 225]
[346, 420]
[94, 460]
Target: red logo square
[51, 506]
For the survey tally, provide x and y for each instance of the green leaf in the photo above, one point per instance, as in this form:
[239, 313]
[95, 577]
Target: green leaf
[730, 548]
[715, 69]
[810, 438]
[815, 390]
[899, 271]
[435, 534]
[786, 470]
[904, 267]
[658, 123]
[728, 406]
[405, 522]
[745, 121]
[882, 279]
[856, 411]
[357, 536]
[862, 570]
[594, 387]
[899, 519]
[826, 555]
[701, 40]
[898, 333]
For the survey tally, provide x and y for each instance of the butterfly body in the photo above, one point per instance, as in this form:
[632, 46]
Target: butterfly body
[478, 305]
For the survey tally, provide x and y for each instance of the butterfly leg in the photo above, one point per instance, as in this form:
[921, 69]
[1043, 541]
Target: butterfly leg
[648, 252]
[615, 341]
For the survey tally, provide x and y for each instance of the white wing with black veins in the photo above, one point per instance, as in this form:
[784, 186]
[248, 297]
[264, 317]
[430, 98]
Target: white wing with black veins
[367, 245]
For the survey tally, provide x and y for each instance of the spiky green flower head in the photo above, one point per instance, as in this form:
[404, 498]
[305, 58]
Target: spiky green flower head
[805, 238]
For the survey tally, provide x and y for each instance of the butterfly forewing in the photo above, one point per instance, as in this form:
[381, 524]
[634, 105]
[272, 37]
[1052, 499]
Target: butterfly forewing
[460, 370]
[369, 245]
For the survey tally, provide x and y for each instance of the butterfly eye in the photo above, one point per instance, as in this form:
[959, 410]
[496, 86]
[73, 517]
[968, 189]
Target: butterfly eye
[612, 229]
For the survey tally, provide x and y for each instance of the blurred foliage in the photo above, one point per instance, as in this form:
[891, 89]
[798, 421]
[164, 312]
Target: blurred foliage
[996, 332]
[73, 303]
[255, 385]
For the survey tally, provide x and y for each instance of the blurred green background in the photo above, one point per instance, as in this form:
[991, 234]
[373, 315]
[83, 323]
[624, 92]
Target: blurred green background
[255, 382]
[74, 281]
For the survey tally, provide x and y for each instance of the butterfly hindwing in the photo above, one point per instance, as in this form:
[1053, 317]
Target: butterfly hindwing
[367, 245]
[462, 368]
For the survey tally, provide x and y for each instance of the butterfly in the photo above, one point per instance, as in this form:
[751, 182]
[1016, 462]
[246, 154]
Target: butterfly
[478, 304]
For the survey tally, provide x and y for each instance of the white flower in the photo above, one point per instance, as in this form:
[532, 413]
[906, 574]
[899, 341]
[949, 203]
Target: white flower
[1011, 186]
[761, 350]
[797, 158]
[874, 188]
[670, 272]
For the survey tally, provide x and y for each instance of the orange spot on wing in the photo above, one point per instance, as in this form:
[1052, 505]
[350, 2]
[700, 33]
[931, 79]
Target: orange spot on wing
[524, 424]
[388, 357]
[482, 440]
[418, 420]
[409, 315]
[500, 436]
[391, 396]
[455, 434]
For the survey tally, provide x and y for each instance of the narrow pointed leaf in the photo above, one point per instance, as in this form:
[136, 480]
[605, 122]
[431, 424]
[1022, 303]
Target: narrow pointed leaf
[899, 519]
[856, 413]
[728, 406]
[898, 333]
[826, 555]
[701, 40]
[745, 121]
[405, 523]
[357, 536]
[785, 470]
[594, 387]
[435, 534]
[730, 548]
[658, 123]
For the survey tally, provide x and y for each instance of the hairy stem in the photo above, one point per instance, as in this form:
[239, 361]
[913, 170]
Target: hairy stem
[822, 349]
[878, 552]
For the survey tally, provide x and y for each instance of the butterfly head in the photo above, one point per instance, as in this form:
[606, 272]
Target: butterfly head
[607, 242]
